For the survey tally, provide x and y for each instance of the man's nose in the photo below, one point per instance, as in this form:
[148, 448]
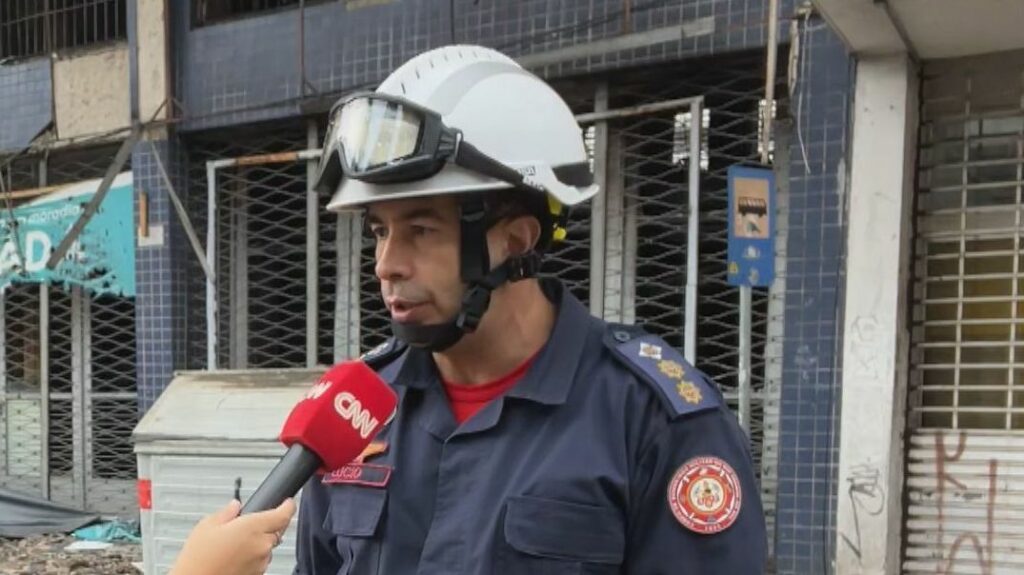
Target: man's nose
[394, 260]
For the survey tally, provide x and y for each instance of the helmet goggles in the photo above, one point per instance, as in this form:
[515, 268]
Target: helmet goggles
[385, 139]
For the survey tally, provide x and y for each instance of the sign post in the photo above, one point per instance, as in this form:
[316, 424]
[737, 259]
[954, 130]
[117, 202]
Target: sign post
[751, 256]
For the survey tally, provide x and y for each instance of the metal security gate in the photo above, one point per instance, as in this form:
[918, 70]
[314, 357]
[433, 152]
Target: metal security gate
[965, 465]
[68, 400]
[274, 252]
[68, 395]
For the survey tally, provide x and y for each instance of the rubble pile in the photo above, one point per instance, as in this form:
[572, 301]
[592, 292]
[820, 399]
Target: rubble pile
[46, 555]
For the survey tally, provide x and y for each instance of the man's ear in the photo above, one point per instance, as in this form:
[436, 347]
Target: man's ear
[523, 234]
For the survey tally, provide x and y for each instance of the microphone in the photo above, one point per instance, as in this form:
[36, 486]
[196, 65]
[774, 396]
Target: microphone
[329, 428]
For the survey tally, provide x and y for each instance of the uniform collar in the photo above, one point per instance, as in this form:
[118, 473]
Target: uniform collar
[550, 378]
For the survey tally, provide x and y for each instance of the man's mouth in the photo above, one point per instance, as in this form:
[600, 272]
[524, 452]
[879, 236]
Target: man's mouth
[404, 310]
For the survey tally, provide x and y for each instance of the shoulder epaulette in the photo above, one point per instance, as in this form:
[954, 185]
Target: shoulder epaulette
[682, 388]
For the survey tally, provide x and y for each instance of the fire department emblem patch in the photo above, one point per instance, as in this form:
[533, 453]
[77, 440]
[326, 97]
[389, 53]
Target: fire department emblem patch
[705, 495]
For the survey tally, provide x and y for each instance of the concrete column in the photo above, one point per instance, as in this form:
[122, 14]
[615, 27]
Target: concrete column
[876, 334]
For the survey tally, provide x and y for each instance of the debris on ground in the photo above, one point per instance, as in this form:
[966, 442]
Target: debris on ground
[47, 555]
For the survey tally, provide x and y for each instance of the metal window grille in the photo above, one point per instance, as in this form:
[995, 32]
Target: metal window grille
[21, 173]
[261, 253]
[69, 389]
[374, 321]
[968, 351]
[75, 165]
[68, 377]
[53, 168]
[34, 27]
[647, 217]
[207, 12]
[22, 421]
[262, 210]
[112, 390]
[61, 378]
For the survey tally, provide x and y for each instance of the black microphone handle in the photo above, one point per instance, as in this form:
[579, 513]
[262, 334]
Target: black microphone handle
[284, 480]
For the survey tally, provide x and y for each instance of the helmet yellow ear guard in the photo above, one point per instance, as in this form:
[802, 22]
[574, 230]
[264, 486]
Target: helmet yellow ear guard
[559, 219]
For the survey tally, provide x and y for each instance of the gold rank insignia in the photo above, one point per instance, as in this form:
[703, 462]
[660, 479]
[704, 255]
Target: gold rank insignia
[671, 368]
[686, 389]
[679, 385]
[689, 392]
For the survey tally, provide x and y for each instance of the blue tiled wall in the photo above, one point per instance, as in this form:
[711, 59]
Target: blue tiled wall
[160, 282]
[26, 102]
[248, 70]
[808, 451]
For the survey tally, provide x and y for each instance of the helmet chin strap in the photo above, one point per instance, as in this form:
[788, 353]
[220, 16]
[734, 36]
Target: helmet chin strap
[480, 282]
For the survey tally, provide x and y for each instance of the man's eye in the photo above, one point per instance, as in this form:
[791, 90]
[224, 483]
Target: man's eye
[421, 230]
[379, 232]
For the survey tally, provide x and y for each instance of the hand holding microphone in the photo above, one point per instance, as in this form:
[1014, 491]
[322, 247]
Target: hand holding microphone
[329, 428]
[225, 544]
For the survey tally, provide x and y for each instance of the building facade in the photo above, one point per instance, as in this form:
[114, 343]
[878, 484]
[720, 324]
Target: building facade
[883, 358]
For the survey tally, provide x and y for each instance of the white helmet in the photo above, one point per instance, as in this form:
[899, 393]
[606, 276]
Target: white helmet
[458, 120]
[502, 110]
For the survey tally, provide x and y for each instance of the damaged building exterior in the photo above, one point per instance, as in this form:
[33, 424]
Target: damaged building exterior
[879, 374]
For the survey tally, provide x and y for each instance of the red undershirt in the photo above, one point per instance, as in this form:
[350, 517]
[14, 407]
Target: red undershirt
[466, 400]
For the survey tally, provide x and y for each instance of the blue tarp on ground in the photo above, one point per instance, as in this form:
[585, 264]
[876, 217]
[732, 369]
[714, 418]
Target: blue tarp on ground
[110, 532]
[23, 516]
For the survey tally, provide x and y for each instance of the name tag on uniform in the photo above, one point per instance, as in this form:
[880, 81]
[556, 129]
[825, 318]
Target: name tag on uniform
[365, 474]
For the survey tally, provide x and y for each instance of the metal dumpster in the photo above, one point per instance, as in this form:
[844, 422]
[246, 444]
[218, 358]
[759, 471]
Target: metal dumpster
[206, 430]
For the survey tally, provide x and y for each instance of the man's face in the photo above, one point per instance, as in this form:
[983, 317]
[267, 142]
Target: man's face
[417, 243]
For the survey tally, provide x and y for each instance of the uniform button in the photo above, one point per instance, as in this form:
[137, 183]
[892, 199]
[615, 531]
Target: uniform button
[621, 336]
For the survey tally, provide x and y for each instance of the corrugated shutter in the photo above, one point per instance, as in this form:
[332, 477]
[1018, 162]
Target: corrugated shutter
[965, 468]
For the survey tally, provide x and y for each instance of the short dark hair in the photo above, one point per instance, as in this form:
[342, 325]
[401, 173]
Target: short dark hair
[510, 204]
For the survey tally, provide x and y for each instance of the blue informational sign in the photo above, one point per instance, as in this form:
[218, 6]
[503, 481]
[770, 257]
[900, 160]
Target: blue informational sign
[751, 226]
[101, 260]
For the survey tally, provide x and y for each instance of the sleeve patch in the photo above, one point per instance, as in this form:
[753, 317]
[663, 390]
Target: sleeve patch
[705, 495]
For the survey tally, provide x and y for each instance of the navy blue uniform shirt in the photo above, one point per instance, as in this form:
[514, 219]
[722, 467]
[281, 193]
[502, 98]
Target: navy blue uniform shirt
[611, 455]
